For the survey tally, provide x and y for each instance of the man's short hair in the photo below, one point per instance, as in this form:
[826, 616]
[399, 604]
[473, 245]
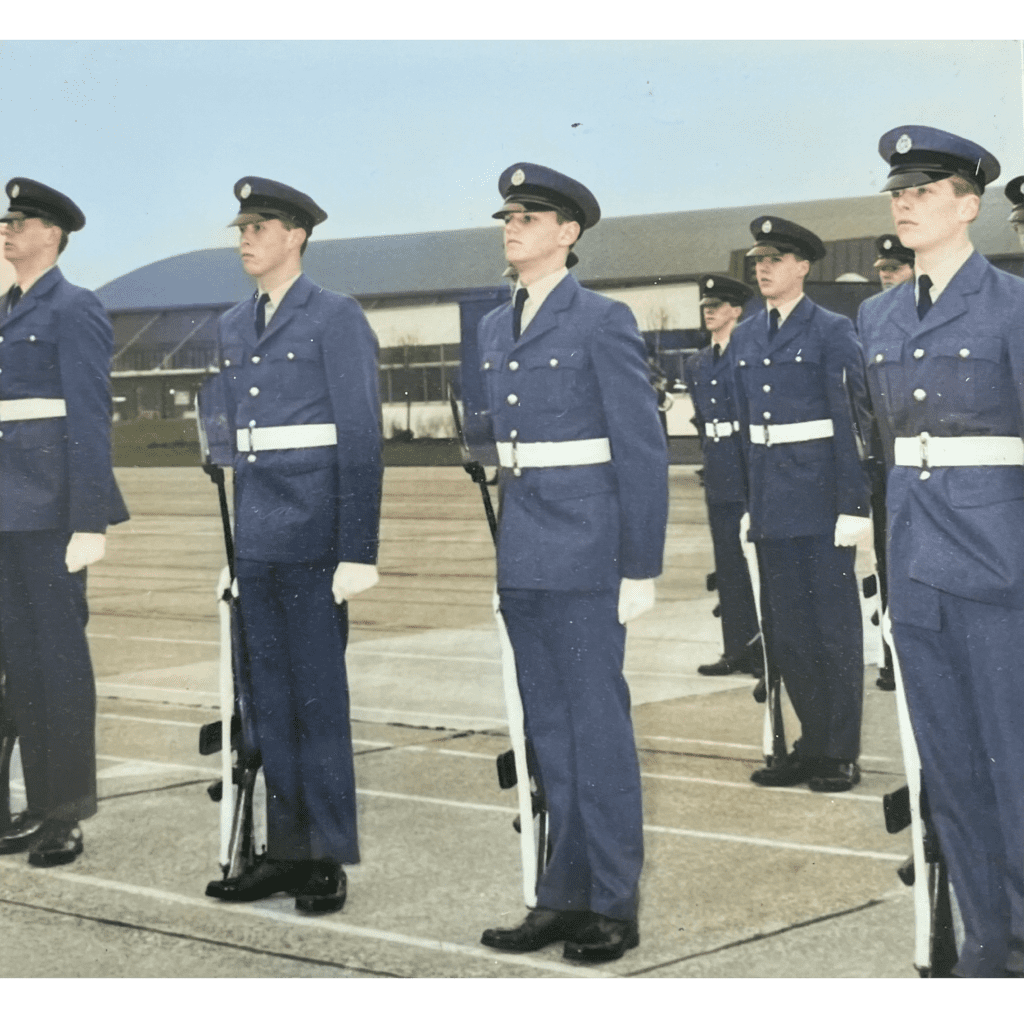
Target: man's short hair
[292, 226]
[964, 187]
[63, 244]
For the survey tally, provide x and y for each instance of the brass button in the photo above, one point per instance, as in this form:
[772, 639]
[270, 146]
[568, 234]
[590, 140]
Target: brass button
[227, 362]
[513, 434]
[487, 365]
[767, 362]
[924, 474]
[964, 353]
[743, 362]
[252, 458]
[767, 415]
[513, 365]
[879, 358]
[714, 401]
[714, 382]
[291, 355]
[919, 353]
[920, 394]
[254, 391]
[766, 388]
[553, 363]
[517, 471]
[252, 423]
[255, 359]
[512, 399]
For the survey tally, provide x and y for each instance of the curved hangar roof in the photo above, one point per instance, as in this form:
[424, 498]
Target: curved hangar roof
[619, 249]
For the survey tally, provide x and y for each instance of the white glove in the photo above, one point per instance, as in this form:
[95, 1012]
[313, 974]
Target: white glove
[744, 528]
[351, 578]
[851, 530]
[84, 549]
[635, 598]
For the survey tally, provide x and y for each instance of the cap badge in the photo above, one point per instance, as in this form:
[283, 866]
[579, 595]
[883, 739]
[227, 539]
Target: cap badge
[518, 176]
[709, 283]
[766, 227]
[887, 244]
[903, 144]
[245, 191]
[15, 191]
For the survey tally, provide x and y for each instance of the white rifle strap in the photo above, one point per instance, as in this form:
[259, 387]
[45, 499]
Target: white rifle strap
[514, 713]
[767, 733]
[227, 706]
[912, 767]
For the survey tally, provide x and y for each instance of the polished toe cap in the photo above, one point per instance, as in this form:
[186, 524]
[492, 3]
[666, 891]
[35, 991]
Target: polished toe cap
[603, 939]
[540, 928]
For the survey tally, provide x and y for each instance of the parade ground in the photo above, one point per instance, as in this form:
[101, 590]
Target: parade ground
[739, 882]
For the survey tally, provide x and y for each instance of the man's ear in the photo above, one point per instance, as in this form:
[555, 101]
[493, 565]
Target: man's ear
[569, 232]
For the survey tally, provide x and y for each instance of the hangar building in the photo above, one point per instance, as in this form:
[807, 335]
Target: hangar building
[423, 293]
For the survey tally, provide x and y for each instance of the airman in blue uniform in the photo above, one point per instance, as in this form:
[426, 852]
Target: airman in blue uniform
[800, 402]
[298, 369]
[57, 497]
[584, 501]
[708, 377]
[895, 262]
[945, 359]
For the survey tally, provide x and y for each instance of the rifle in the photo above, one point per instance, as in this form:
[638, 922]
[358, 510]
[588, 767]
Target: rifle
[515, 765]
[925, 870]
[235, 789]
[935, 953]
[773, 734]
[8, 738]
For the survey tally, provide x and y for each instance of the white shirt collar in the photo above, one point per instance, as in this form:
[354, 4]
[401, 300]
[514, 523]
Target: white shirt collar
[786, 308]
[277, 295]
[943, 271]
[538, 292]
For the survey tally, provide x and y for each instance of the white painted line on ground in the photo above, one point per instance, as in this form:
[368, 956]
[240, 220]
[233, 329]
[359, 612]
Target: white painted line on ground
[295, 919]
[152, 639]
[840, 851]
[763, 789]
[196, 725]
[739, 746]
[723, 837]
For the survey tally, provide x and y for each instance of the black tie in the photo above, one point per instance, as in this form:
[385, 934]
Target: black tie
[517, 313]
[924, 295]
[773, 323]
[261, 313]
[717, 349]
[12, 297]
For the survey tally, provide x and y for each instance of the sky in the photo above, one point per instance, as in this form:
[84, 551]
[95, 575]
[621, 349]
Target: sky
[149, 136]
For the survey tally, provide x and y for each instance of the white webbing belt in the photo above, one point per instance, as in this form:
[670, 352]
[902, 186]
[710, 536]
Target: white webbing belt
[32, 409]
[548, 454]
[926, 451]
[297, 435]
[788, 433]
[717, 430]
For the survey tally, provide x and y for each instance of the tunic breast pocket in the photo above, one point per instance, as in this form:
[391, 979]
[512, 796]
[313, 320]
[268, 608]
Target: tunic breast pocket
[31, 357]
[971, 373]
[554, 380]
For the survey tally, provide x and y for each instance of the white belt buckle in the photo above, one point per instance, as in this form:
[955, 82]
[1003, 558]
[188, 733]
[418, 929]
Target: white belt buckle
[767, 437]
[924, 438]
[516, 471]
[714, 431]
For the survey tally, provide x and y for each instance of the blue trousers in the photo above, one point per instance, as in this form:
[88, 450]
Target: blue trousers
[296, 639]
[50, 692]
[569, 648]
[965, 690]
[817, 639]
[735, 594]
